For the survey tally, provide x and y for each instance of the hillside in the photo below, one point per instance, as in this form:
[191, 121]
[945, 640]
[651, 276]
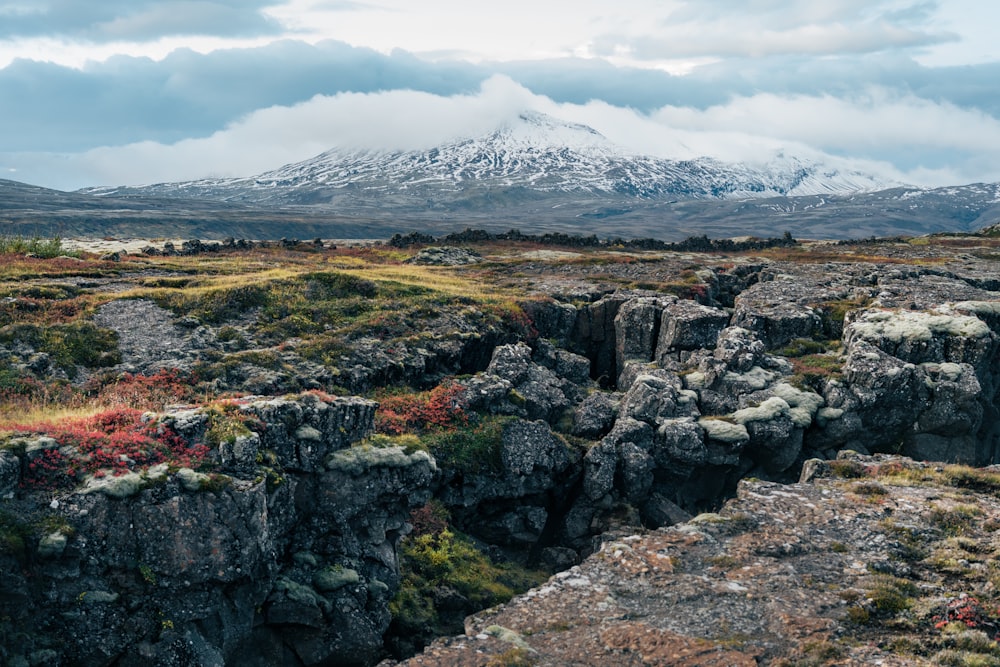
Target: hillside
[30, 211]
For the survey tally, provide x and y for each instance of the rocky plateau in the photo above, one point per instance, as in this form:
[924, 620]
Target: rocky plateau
[771, 455]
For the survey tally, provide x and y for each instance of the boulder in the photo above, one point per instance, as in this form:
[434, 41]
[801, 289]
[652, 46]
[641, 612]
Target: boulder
[511, 363]
[595, 415]
[553, 320]
[656, 396]
[680, 445]
[637, 328]
[919, 337]
[688, 325]
[739, 349]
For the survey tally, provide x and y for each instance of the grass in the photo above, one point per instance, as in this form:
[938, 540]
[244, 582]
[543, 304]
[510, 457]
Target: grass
[813, 371]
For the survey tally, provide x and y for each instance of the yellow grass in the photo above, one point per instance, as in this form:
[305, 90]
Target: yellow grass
[42, 414]
[439, 279]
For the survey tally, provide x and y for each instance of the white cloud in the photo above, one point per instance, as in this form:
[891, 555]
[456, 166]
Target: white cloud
[872, 122]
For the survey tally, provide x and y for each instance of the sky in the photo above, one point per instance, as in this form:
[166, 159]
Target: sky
[126, 92]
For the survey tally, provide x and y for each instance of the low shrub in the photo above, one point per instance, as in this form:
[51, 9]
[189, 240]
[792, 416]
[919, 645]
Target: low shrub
[116, 441]
[36, 245]
[440, 408]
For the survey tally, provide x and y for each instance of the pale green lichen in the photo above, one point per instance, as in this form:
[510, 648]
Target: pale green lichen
[826, 415]
[309, 433]
[378, 589]
[334, 577]
[509, 636]
[772, 408]
[723, 431]
[302, 594]
[978, 307]
[52, 545]
[157, 473]
[38, 444]
[191, 480]
[915, 326]
[947, 371]
[803, 405]
[305, 558]
[358, 460]
[695, 380]
[97, 597]
[122, 486]
[756, 378]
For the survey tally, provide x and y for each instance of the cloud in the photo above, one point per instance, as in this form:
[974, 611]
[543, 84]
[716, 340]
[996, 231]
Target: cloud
[939, 144]
[731, 28]
[124, 100]
[46, 107]
[109, 20]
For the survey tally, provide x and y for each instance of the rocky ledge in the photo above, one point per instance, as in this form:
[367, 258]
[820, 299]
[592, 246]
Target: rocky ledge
[868, 561]
[587, 427]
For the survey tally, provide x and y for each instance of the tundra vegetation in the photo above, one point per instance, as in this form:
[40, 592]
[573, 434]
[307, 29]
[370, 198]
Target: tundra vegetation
[128, 373]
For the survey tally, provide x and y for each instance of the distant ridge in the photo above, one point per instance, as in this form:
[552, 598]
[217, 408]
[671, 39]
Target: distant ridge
[535, 173]
[533, 156]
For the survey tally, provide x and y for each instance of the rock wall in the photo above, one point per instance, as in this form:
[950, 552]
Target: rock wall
[286, 556]
[637, 407]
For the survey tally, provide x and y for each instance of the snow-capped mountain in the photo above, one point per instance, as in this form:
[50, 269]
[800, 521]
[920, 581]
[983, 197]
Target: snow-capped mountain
[533, 157]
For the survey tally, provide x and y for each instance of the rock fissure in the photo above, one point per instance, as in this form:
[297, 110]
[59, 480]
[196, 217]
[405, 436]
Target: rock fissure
[639, 407]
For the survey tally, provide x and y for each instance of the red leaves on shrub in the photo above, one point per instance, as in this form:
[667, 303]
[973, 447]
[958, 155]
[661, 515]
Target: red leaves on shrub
[117, 440]
[147, 392]
[441, 407]
[970, 612]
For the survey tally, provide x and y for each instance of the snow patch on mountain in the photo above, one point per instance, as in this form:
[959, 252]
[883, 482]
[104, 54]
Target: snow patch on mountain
[533, 152]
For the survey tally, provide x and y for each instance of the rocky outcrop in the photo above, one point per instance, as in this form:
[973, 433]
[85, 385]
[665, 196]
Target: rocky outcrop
[852, 566]
[285, 555]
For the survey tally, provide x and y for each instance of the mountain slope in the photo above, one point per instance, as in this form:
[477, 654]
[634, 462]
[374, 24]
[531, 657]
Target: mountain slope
[534, 157]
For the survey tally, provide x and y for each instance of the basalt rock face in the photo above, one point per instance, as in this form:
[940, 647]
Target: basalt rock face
[809, 361]
[614, 408]
[252, 568]
[850, 566]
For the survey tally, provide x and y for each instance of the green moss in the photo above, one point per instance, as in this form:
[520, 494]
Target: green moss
[147, 574]
[334, 577]
[69, 345]
[450, 559]
[475, 449]
[359, 459]
[226, 423]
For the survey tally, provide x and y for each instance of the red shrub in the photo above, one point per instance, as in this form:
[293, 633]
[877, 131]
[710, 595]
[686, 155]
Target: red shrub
[117, 440]
[147, 392]
[441, 407]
